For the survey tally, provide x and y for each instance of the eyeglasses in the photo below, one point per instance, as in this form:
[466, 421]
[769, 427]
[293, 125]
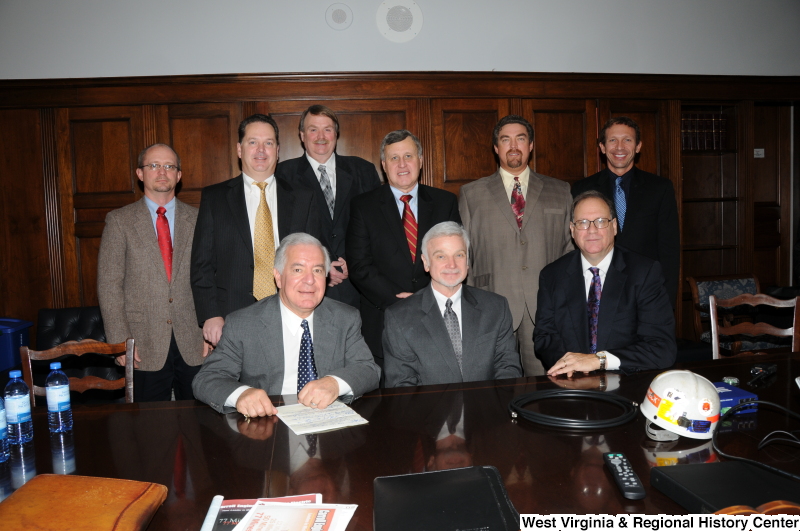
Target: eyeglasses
[155, 167]
[583, 224]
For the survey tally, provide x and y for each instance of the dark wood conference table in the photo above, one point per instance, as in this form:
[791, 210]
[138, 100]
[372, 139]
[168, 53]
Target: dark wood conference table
[545, 470]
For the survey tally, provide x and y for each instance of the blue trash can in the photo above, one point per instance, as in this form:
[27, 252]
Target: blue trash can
[13, 334]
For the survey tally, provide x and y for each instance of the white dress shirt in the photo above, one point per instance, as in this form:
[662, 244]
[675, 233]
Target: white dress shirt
[330, 169]
[292, 337]
[441, 300]
[612, 362]
[252, 198]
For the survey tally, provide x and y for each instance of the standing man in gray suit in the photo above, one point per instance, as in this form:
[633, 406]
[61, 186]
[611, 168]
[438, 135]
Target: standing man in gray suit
[143, 281]
[518, 222]
[296, 342]
[447, 332]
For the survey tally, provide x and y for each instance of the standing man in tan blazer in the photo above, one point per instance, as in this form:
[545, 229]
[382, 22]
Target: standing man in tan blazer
[518, 222]
[143, 281]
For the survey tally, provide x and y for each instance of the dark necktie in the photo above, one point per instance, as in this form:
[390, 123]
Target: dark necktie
[451, 322]
[327, 190]
[518, 201]
[619, 203]
[593, 308]
[410, 226]
[164, 240]
[306, 370]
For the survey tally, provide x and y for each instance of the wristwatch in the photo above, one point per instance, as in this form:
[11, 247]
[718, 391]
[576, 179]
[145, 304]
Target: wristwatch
[602, 357]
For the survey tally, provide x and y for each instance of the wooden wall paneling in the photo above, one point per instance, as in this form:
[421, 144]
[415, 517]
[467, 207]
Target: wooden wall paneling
[55, 238]
[362, 126]
[462, 130]
[648, 114]
[565, 137]
[205, 136]
[25, 282]
[97, 155]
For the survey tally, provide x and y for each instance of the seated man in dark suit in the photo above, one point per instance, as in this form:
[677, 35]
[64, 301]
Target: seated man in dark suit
[602, 307]
[448, 332]
[270, 348]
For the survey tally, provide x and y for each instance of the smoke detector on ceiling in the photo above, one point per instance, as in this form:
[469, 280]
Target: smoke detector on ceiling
[399, 20]
[339, 16]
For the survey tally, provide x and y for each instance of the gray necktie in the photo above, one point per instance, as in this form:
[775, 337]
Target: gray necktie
[327, 191]
[451, 322]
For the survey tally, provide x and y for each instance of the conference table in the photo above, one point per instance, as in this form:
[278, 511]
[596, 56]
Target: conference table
[198, 453]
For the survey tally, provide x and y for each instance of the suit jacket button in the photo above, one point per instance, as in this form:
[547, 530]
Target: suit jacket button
[170, 300]
[524, 268]
[169, 321]
[522, 243]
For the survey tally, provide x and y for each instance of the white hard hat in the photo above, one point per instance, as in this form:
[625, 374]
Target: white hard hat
[683, 403]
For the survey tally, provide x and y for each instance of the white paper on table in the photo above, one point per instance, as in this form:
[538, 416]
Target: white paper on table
[303, 420]
[266, 516]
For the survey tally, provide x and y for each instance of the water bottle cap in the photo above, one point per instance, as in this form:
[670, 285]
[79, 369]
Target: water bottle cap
[15, 374]
[55, 365]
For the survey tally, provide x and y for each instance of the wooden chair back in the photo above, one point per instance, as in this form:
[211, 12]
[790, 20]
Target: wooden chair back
[754, 329]
[79, 348]
[703, 287]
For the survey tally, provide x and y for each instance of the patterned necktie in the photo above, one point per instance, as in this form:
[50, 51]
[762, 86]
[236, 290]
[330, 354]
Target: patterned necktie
[451, 322]
[410, 226]
[327, 190]
[518, 201]
[263, 249]
[593, 308]
[619, 203]
[164, 240]
[306, 370]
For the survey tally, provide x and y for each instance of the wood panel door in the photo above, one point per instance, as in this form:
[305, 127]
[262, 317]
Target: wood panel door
[462, 140]
[362, 125]
[97, 154]
[565, 135]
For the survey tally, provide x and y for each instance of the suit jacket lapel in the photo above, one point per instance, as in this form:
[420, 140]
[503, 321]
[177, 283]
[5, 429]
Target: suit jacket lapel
[576, 295]
[497, 191]
[344, 182]
[268, 339]
[391, 215]
[182, 235]
[147, 234]
[309, 179]
[470, 319]
[238, 208]
[535, 186]
[424, 222]
[434, 324]
[324, 339]
[609, 299]
[285, 200]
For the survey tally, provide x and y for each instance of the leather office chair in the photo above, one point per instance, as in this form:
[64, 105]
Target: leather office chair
[732, 330]
[79, 348]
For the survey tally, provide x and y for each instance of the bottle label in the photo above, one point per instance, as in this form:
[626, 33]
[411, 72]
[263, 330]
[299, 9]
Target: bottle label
[18, 409]
[57, 398]
[3, 425]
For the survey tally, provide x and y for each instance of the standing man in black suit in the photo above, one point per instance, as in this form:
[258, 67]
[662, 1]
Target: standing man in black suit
[602, 307]
[647, 212]
[385, 225]
[239, 226]
[335, 180]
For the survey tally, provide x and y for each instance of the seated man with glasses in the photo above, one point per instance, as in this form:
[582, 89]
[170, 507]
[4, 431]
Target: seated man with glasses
[601, 307]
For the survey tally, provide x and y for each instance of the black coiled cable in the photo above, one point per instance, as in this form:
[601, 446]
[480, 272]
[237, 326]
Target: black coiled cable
[517, 409]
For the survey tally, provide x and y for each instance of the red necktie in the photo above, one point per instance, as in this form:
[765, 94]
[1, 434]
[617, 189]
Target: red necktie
[518, 201]
[410, 226]
[164, 241]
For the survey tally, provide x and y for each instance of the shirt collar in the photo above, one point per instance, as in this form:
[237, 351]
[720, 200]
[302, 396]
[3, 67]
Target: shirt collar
[152, 206]
[523, 177]
[330, 164]
[398, 194]
[442, 300]
[251, 182]
[291, 321]
[602, 266]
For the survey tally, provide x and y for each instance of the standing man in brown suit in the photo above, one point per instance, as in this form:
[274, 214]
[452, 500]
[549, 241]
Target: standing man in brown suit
[143, 281]
[518, 222]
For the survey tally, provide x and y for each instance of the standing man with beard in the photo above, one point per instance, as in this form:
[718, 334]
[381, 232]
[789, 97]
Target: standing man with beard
[335, 180]
[647, 213]
[518, 222]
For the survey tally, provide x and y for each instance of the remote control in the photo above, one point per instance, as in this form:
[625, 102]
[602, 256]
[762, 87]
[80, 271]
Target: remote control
[626, 479]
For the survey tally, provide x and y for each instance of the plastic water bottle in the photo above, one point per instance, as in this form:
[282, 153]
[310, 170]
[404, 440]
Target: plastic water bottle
[3, 434]
[18, 410]
[59, 412]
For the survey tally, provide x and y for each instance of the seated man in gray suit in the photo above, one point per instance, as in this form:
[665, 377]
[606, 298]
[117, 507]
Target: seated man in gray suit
[448, 332]
[297, 341]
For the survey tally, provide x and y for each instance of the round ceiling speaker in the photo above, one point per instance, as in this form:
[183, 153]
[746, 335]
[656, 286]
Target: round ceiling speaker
[339, 16]
[399, 20]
